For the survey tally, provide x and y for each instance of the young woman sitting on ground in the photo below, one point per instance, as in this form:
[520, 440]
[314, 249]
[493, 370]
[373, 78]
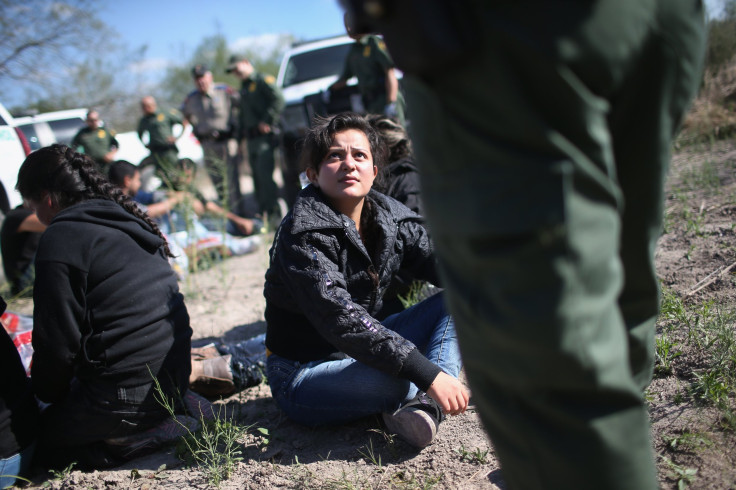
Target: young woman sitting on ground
[108, 316]
[330, 360]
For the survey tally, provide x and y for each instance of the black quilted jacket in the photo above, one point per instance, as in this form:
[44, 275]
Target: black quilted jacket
[323, 286]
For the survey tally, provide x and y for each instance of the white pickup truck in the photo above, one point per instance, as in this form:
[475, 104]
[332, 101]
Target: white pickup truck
[307, 70]
[13, 150]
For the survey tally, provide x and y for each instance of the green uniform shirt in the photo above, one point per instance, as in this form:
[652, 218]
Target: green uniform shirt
[260, 101]
[95, 143]
[368, 60]
[159, 128]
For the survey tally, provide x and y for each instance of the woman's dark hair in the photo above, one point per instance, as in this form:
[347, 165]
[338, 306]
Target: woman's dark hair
[119, 170]
[69, 178]
[319, 138]
[395, 136]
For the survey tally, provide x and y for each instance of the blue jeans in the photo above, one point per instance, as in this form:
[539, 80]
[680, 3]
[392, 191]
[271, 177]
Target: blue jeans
[15, 465]
[333, 392]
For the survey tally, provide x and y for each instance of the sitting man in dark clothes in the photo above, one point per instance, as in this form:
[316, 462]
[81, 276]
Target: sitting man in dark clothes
[19, 237]
[18, 413]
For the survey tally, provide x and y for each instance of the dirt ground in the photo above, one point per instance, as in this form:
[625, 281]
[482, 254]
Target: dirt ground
[226, 303]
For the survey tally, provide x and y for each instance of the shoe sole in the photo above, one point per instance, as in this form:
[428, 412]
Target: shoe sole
[414, 426]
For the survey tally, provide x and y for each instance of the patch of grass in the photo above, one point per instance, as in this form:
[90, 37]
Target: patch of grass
[265, 436]
[682, 475]
[214, 448]
[703, 178]
[711, 333]
[665, 351]
[409, 481]
[389, 439]
[689, 253]
[694, 221]
[711, 388]
[370, 455]
[346, 482]
[415, 294]
[475, 456]
[728, 419]
[673, 308]
[302, 476]
[687, 441]
[58, 475]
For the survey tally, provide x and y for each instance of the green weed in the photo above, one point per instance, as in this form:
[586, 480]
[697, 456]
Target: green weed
[64, 473]
[684, 476]
[665, 351]
[214, 448]
[693, 221]
[687, 441]
[705, 177]
[265, 435]
[689, 253]
[475, 456]
[301, 475]
[370, 455]
[711, 388]
[346, 482]
[728, 419]
[17, 477]
[409, 481]
[673, 308]
[415, 294]
[711, 332]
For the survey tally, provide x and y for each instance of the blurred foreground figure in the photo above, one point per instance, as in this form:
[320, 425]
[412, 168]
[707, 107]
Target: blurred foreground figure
[543, 131]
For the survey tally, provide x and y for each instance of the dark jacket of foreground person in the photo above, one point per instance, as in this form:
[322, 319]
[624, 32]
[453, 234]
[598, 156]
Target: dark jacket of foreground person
[106, 304]
[314, 238]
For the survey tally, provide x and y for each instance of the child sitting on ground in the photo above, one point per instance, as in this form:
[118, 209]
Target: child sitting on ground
[180, 215]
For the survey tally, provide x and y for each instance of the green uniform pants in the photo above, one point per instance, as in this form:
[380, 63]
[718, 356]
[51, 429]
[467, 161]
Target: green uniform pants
[377, 104]
[165, 163]
[260, 157]
[543, 154]
[222, 168]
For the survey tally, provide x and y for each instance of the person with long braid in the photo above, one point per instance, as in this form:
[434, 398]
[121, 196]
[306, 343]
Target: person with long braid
[108, 317]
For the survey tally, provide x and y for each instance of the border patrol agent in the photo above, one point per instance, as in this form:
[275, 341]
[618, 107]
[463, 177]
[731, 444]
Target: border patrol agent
[161, 141]
[542, 130]
[261, 104]
[370, 62]
[212, 112]
[96, 141]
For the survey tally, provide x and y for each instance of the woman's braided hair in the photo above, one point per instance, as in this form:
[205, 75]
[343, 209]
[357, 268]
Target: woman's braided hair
[69, 178]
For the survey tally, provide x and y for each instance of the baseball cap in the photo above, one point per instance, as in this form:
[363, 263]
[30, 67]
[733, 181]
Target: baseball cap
[199, 70]
[234, 60]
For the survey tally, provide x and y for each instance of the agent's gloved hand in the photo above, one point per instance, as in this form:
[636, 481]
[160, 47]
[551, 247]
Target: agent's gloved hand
[390, 110]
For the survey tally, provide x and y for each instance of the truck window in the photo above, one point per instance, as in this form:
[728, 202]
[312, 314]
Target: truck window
[315, 64]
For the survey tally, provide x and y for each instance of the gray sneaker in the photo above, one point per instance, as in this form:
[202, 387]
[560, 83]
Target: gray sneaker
[416, 422]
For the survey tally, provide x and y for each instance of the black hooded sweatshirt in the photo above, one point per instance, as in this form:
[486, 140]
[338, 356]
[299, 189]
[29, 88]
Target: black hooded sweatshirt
[107, 306]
